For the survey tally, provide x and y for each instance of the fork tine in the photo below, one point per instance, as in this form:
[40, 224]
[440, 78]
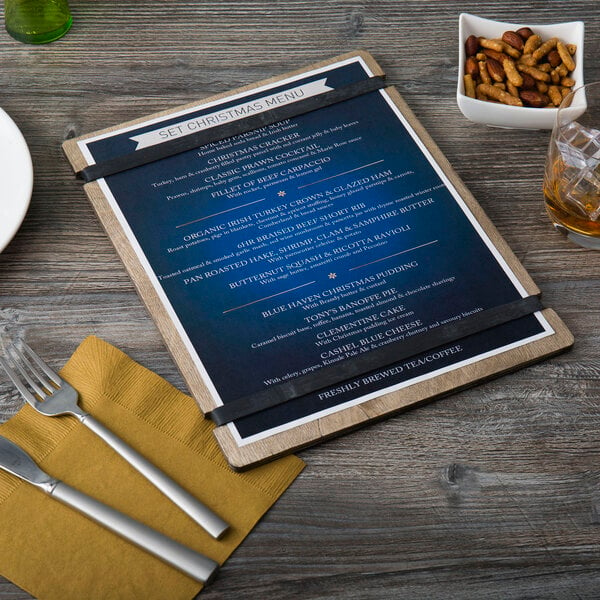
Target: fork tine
[29, 397]
[22, 364]
[54, 377]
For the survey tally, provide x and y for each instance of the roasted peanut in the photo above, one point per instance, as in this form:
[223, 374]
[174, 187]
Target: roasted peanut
[555, 95]
[496, 45]
[469, 86]
[511, 73]
[498, 94]
[544, 48]
[532, 44]
[562, 70]
[542, 87]
[483, 72]
[535, 73]
[565, 55]
[513, 90]
[508, 49]
[527, 59]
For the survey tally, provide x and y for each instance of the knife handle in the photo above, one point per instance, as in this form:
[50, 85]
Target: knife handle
[200, 513]
[181, 557]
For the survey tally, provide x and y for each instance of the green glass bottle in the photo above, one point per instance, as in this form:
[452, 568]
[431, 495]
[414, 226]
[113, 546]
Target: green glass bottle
[37, 21]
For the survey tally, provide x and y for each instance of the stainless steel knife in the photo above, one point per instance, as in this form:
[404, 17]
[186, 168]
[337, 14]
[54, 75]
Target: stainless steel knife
[16, 461]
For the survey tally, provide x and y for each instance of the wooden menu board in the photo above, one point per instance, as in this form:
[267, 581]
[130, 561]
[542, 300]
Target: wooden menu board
[310, 257]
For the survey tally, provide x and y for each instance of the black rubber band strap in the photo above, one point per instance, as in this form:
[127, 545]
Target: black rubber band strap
[221, 132]
[374, 359]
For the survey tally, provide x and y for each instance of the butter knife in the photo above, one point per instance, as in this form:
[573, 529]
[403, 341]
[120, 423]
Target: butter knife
[16, 461]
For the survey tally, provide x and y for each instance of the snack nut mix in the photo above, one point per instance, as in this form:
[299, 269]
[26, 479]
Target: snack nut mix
[519, 70]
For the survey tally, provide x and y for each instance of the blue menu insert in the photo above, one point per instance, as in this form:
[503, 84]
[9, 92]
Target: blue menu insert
[294, 247]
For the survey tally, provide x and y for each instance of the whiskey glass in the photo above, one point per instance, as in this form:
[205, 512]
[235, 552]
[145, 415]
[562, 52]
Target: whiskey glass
[572, 176]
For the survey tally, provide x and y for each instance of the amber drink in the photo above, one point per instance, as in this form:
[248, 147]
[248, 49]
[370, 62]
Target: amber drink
[572, 178]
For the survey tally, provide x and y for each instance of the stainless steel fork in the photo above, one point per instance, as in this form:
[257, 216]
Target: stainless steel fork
[51, 395]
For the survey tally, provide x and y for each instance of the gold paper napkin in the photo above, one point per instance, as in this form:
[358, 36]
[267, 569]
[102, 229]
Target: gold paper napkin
[52, 551]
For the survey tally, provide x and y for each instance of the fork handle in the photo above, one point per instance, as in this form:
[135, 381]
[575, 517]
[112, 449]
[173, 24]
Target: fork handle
[181, 557]
[207, 519]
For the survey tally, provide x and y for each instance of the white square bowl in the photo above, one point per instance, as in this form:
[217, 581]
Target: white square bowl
[503, 115]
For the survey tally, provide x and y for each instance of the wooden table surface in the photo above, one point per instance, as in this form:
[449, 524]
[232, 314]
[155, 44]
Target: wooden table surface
[491, 493]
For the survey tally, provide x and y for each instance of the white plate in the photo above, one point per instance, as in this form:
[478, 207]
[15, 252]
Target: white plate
[502, 115]
[16, 179]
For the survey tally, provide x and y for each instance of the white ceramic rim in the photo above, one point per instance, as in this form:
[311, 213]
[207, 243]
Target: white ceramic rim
[16, 175]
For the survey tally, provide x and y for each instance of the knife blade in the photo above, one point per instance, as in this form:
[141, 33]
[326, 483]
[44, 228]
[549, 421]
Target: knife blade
[16, 461]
